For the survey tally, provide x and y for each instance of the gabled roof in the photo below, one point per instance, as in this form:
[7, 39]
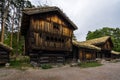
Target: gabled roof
[32, 11]
[84, 45]
[96, 41]
[91, 44]
[5, 47]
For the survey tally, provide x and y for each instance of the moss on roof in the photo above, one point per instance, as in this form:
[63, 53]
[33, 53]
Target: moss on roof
[84, 45]
[90, 44]
[95, 41]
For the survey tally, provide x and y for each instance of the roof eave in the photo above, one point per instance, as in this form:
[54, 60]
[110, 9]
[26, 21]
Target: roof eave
[59, 11]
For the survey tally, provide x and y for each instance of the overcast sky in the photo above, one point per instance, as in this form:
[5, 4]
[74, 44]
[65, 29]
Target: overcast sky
[88, 15]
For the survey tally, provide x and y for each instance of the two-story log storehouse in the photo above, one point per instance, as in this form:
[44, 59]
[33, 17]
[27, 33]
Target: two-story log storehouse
[48, 34]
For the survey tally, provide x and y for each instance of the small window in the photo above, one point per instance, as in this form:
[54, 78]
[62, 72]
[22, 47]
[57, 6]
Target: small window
[55, 39]
[47, 38]
[59, 40]
[51, 38]
[62, 40]
[40, 34]
[56, 26]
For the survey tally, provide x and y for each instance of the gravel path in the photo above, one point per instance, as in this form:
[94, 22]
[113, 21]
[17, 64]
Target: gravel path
[109, 71]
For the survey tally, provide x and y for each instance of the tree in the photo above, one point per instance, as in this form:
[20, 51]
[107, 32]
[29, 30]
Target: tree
[10, 19]
[21, 4]
[4, 13]
[113, 32]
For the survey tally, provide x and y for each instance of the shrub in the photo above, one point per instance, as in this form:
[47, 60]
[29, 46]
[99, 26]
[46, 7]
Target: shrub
[23, 59]
[19, 62]
[46, 66]
[89, 64]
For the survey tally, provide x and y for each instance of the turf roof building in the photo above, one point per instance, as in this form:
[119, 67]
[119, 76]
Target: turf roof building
[94, 48]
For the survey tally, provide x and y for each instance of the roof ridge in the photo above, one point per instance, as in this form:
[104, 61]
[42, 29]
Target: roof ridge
[94, 41]
[85, 45]
[46, 9]
[43, 7]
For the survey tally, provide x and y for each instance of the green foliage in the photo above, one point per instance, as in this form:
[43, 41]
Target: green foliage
[46, 66]
[89, 64]
[113, 32]
[12, 23]
[15, 46]
[21, 61]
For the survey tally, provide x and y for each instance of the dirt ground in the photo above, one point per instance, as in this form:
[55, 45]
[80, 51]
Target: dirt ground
[109, 71]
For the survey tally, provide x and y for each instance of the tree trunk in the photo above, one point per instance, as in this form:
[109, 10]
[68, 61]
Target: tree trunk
[3, 21]
[18, 36]
[3, 30]
[11, 38]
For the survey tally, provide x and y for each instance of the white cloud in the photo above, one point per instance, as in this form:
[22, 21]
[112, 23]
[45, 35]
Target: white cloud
[88, 14]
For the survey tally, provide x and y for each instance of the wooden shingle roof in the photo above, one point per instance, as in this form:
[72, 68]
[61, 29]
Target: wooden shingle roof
[32, 11]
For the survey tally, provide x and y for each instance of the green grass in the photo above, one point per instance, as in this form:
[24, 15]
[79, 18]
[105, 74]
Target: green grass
[89, 64]
[46, 66]
[20, 63]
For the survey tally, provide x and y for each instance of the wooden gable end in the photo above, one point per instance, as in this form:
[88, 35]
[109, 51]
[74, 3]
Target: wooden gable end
[50, 32]
[108, 45]
[48, 15]
[50, 23]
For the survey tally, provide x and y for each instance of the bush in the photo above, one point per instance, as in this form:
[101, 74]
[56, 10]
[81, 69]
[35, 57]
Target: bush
[46, 66]
[89, 64]
[19, 62]
[23, 59]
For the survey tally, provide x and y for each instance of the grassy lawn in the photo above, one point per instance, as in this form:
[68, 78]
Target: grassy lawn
[89, 64]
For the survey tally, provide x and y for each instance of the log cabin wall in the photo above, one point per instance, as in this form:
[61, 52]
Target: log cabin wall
[115, 56]
[107, 46]
[50, 32]
[87, 55]
[48, 38]
[105, 50]
[96, 48]
[4, 55]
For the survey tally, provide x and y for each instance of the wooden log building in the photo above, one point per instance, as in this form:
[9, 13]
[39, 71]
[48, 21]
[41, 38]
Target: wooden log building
[48, 34]
[4, 53]
[84, 52]
[94, 48]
